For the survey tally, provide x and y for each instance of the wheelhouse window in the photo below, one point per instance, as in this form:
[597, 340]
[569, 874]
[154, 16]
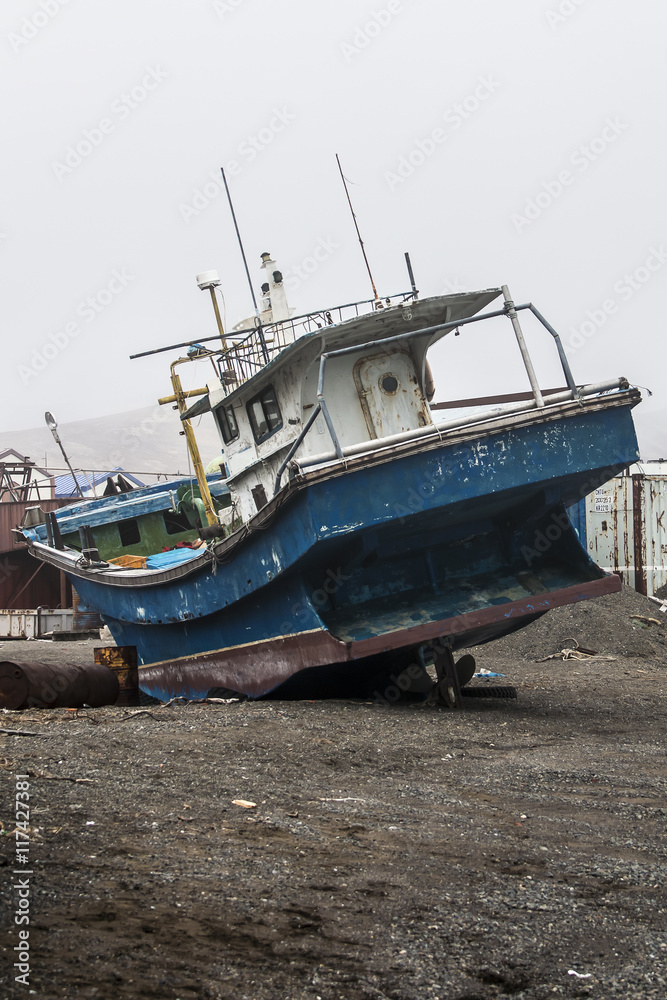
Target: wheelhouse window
[129, 533]
[227, 422]
[175, 523]
[264, 414]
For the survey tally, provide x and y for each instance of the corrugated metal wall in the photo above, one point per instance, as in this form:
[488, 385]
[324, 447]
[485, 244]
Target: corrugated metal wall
[25, 582]
[11, 515]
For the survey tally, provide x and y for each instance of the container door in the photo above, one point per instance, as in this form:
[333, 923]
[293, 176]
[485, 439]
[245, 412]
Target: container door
[654, 532]
[607, 522]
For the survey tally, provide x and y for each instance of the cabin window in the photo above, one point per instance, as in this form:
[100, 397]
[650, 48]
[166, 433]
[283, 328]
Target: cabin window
[175, 523]
[228, 425]
[264, 414]
[129, 533]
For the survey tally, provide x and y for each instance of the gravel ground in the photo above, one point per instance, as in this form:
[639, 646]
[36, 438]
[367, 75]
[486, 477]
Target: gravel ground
[393, 852]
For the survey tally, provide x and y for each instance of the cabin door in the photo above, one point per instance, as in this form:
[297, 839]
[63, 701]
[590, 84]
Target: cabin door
[389, 393]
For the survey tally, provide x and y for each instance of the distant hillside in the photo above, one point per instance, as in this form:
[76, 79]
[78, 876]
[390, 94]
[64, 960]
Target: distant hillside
[145, 441]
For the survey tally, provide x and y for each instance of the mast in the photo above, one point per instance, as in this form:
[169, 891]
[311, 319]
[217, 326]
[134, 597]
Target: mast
[361, 242]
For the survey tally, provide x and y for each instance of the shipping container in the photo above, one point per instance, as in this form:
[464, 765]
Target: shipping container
[623, 526]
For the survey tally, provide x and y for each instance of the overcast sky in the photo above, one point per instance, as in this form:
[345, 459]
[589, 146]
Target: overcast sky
[519, 142]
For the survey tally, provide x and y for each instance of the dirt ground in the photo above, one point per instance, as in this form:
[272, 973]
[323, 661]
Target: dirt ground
[513, 849]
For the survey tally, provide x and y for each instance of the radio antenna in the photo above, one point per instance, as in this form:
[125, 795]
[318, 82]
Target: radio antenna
[245, 263]
[361, 242]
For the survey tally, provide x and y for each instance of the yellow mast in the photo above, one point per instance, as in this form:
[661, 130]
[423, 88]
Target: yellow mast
[179, 398]
[210, 280]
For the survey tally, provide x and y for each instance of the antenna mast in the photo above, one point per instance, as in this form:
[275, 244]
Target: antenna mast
[361, 242]
[245, 262]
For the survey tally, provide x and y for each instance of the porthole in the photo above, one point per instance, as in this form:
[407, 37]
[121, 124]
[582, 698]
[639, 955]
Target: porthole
[389, 384]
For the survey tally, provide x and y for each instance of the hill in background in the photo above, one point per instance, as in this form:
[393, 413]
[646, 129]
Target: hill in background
[145, 442]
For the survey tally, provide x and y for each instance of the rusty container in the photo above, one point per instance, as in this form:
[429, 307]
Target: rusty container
[43, 685]
[122, 661]
[84, 620]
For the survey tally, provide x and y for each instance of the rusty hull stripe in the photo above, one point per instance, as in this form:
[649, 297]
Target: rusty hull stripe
[257, 667]
[253, 668]
[508, 397]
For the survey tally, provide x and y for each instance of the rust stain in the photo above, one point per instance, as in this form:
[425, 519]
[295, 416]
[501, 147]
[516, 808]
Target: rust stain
[638, 533]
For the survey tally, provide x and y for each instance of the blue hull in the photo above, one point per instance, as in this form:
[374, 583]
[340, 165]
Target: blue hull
[376, 558]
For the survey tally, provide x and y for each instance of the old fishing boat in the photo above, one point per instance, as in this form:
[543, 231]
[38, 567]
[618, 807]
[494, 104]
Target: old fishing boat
[352, 534]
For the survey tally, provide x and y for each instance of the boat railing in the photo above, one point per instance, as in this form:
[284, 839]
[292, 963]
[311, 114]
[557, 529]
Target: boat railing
[249, 349]
[521, 402]
[260, 344]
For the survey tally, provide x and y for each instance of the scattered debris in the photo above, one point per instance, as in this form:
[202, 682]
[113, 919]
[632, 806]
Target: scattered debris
[60, 777]
[580, 975]
[143, 711]
[244, 803]
[645, 621]
[575, 652]
[20, 732]
[573, 644]
[346, 799]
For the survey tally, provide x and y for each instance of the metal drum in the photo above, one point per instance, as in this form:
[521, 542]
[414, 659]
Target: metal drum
[44, 685]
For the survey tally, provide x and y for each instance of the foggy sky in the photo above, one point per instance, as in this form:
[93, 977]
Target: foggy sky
[518, 142]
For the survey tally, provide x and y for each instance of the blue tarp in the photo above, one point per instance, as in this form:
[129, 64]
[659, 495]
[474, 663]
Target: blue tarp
[164, 560]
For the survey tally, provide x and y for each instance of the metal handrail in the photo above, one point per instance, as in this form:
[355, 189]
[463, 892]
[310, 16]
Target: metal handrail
[276, 336]
[508, 310]
[251, 331]
[292, 452]
[437, 430]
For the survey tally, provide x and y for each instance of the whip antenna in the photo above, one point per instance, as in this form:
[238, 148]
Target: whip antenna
[245, 264]
[361, 242]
